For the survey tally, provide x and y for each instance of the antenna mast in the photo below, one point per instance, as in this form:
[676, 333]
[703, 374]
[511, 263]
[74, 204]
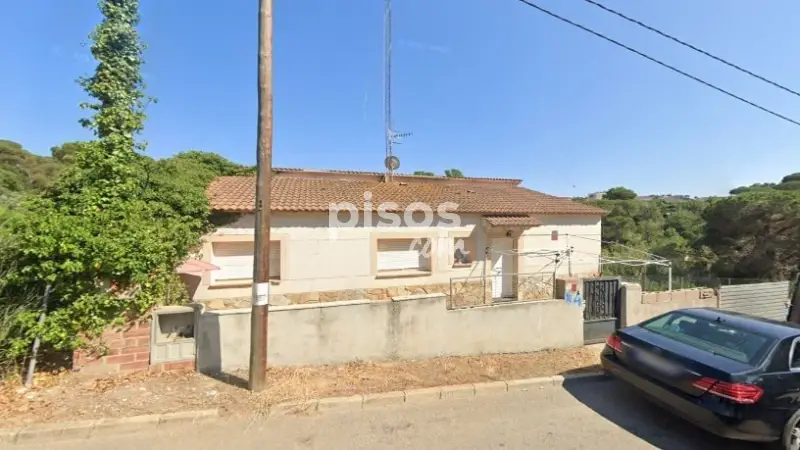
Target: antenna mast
[391, 162]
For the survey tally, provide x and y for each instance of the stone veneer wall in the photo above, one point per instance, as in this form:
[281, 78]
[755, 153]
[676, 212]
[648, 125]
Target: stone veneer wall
[638, 306]
[535, 287]
[465, 293]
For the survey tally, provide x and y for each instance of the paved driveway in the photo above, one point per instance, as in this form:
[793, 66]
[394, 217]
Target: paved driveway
[583, 415]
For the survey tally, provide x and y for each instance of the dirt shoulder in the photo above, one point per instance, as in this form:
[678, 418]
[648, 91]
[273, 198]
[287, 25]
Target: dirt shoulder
[68, 397]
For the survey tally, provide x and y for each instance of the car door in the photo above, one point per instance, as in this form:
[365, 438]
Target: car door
[781, 380]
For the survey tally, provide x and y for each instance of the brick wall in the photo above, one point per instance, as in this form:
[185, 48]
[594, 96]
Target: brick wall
[128, 350]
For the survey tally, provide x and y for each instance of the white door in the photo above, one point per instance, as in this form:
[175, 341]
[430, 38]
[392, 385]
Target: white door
[502, 268]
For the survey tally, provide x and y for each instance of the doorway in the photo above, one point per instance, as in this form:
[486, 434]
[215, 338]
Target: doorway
[502, 268]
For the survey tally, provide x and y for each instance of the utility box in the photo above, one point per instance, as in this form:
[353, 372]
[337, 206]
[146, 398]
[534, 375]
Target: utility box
[173, 334]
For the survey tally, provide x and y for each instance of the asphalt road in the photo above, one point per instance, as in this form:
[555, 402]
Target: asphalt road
[582, 415]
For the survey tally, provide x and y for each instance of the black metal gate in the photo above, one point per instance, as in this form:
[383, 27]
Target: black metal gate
[601, 315]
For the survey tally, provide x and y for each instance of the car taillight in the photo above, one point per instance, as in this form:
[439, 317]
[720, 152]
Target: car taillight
[614, 342]
[738, 392]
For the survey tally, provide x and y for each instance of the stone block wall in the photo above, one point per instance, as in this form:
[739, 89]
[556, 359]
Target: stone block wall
[535, 287]
[122, 350]
[467, 292]
[638, 306]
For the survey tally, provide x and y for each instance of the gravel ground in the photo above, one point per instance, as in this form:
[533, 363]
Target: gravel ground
[67, 396]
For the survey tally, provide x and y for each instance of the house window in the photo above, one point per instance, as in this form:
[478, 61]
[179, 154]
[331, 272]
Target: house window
[404, 254]
[462, 253]
[235, 260]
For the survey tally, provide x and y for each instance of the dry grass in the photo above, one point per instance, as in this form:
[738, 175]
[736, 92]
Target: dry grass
[65, 396]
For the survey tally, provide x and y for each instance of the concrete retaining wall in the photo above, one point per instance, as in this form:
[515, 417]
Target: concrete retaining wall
[638, 306]
[412, 327]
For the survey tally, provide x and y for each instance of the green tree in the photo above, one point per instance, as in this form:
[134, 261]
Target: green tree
[755, 235]
[109, 165]
[790, 182]
[22, 172]
[117, 85]
[620, 193]
[791, 177]
[211, 164]
[109, 233]
[453, 173]
[753, 188]
[791, 185]
[64, 153]
[424, 173]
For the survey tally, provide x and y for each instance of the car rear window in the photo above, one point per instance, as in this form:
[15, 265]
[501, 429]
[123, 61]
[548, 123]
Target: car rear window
[714, 337]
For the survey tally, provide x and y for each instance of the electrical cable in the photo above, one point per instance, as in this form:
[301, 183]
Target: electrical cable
[693, 47]
[659, 62]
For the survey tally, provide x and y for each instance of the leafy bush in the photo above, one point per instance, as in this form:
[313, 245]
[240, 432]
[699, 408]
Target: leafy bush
[14, 309]
[107, 235]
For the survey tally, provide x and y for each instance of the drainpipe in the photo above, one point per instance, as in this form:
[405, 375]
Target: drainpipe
[485, 257]
[569, 257]
[669, 275]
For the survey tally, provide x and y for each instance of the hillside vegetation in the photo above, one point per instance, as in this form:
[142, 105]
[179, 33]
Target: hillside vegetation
[24, 173]
[753, 234]
[21, 171]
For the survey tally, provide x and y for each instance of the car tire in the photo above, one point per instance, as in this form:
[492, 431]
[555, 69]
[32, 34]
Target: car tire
[792, 425]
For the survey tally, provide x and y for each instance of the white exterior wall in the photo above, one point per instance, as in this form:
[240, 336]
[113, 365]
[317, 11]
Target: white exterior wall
[582, 233]
[315, 257]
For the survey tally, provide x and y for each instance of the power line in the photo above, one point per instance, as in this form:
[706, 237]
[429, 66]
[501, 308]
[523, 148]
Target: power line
[695, 48]
[659, 62]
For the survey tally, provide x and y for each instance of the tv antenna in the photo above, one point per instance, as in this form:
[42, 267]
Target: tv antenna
[393, 138]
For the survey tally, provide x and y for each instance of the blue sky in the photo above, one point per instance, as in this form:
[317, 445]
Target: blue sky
[488, 86]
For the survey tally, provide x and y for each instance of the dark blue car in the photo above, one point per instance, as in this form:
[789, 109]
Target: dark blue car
[734, 375]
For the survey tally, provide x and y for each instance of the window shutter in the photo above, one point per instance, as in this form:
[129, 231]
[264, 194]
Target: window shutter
[275, 259]
[398, 254]
[235, 260]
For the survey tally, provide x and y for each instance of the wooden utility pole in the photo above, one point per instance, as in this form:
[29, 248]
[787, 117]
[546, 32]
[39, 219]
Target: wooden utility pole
[260, 313]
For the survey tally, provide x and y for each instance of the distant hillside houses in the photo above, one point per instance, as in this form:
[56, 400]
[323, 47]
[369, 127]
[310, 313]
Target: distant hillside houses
[596, 195]
[667, 197]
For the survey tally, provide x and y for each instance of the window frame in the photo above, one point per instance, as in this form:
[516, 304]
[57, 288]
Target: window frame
[758, 358]
[217, 281]
[424, 242]
[208, 256]
[429, 236]
[795, 341]
[469, 245]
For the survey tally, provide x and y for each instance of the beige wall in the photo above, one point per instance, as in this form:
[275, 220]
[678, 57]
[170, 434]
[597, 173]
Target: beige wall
[638, 306]
[315, 257]
[402, 328]
[582, 233]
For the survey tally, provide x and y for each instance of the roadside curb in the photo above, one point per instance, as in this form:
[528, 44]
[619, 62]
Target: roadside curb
[89, 428]
[356, 402]
[101, 427]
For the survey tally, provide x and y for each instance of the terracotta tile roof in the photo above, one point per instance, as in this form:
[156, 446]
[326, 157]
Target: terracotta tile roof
[397, 176]
[317, 191]
[512, 221]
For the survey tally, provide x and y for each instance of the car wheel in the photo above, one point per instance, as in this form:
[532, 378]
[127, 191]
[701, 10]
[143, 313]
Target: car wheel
[791, 433]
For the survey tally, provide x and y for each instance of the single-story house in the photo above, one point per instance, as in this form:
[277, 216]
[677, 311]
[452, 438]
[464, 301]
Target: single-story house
[339, 235]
